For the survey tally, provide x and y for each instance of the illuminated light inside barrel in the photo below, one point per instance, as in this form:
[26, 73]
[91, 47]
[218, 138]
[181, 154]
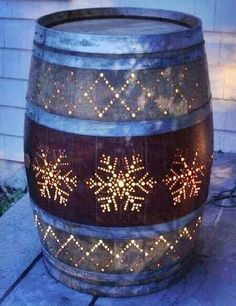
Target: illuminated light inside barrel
[143, 94]
[116, 254]
[128, 184]
[185, 178]
[54, 177]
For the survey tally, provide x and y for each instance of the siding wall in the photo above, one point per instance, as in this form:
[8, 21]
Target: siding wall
[16, 34]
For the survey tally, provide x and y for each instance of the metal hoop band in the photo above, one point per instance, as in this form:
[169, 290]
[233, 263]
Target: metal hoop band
[116, 129]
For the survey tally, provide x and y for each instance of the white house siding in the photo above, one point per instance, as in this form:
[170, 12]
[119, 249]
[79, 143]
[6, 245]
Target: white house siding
[16, 34]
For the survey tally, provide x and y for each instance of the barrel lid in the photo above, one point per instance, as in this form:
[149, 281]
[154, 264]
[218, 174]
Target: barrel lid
[118, 30]
[119, 26]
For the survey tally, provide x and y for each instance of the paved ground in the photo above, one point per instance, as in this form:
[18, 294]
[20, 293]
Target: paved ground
[211, 282]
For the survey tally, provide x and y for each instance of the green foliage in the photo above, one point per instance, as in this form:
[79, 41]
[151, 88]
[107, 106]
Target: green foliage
[8, 196]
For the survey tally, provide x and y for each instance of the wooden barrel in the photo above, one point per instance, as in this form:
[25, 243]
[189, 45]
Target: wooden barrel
[118, 146]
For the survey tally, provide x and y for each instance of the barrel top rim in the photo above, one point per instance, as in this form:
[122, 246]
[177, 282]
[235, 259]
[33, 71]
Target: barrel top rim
[123, 12]
[47, 35]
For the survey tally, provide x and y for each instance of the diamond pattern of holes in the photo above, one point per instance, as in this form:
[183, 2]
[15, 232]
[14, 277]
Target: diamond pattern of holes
[132, 86]
[118, 95]
[163, 97]
[130, 255]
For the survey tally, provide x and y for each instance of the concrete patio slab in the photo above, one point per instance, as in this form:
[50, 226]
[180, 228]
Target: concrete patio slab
[210, 282]
[39, 289]
[19, 244]
[224, 172]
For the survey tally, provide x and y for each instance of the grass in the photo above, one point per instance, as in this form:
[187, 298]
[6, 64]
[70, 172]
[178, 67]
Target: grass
[8, 196]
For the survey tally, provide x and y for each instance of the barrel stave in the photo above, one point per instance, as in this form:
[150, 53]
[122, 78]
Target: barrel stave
[117, 95]
[133, 255]
[86, 154]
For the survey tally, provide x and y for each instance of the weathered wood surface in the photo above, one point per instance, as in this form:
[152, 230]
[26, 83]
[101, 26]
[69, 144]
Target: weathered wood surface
[139, 154]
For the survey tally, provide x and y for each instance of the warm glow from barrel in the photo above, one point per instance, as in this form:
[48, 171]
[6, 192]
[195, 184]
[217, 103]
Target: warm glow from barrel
[161, 248]
[113, 185]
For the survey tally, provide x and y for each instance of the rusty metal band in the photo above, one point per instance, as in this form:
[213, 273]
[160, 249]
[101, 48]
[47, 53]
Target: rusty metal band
[101, 232]
[118, 44]
[96, 61]
[114, 279]
[116, 129]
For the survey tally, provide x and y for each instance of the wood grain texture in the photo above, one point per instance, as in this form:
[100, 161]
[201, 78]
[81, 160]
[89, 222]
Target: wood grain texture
[84, 154]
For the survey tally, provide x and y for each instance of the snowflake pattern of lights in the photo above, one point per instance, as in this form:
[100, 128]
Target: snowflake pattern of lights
[54, 178]
[185, 178]
[121, 189]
